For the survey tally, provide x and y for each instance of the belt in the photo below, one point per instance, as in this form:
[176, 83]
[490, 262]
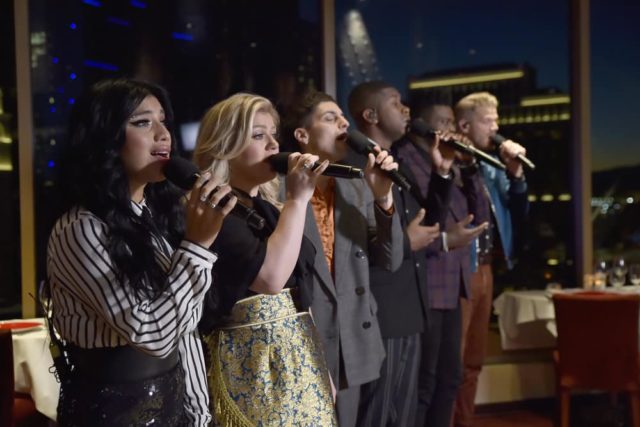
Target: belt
[119, 364]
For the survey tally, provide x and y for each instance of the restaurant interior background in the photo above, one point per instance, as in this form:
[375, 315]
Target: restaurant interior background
[203, 51]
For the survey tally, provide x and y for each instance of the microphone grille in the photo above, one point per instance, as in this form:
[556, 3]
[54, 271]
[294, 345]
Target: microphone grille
[181, 172]
[359, 142]
[420, 127]
[280, 162]
[498, 139]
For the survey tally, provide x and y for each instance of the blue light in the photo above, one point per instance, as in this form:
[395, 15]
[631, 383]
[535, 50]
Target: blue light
[55, 59]
[52, 109]
[100, 65]
[94, 3]
[73, 76]
[182, 36]
[51, 163]
[73, 26]
[118, 21]
[72, 101]
[139, 4]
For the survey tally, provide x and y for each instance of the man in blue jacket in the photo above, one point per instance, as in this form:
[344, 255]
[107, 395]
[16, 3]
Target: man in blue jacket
[477, 118]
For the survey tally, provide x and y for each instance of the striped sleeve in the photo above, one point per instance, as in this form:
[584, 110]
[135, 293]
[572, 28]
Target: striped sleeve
[79, 263]
[197, 396]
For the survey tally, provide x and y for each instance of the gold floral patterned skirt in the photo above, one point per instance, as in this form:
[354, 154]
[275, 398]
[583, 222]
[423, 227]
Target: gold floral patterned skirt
[267, 367]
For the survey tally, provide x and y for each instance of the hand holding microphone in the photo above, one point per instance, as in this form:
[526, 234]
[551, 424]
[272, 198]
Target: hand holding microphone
[361, 144]
[513, 153]
[203, 220]
[279, 162]
[185, 174]
[302, 174]
[420, 128]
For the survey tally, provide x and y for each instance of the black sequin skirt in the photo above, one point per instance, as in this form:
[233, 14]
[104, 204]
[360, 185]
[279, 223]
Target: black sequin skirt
[151, 402]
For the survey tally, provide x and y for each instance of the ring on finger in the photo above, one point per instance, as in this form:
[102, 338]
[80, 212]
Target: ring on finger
[203, 198]
[307, 165]
[213, 205]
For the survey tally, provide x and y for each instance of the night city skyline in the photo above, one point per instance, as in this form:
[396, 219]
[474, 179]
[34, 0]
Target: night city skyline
[438, 36]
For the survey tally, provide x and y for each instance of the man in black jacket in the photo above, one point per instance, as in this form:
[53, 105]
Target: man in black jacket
[401, 295]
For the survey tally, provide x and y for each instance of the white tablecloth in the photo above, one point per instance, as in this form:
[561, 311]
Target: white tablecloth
[526, 320]
[32, 362]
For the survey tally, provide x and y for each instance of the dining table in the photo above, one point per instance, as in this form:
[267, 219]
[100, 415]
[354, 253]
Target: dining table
[526, 318]
[33, 365]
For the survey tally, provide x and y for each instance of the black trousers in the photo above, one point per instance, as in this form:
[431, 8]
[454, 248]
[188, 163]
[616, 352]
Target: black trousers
[391, 400]
[440, 368]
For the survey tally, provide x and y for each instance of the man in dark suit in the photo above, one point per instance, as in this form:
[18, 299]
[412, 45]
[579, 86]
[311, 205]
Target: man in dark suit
[448, 270]
[391, 400]
[353, 224]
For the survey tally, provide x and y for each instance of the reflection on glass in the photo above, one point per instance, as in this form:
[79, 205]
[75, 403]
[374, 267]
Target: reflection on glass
[201, 51]
[429, 57]
[9, 184]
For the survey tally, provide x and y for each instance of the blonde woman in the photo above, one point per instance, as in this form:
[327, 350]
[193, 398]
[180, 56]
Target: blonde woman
[266, 366]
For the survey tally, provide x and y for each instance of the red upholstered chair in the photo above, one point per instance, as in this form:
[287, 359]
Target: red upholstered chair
[16, 409]
[597, 346]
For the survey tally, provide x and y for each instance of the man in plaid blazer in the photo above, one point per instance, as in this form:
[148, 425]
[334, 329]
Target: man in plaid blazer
[447, 267]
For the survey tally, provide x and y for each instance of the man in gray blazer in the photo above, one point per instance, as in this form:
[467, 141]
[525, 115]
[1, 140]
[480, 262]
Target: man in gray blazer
[353, 224]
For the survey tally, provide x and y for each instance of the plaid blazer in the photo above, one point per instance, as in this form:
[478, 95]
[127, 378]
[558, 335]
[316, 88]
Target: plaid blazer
[447, 272]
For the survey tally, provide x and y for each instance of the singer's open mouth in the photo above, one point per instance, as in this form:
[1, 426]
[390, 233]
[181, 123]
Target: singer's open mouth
[342, 137]
[162, 154]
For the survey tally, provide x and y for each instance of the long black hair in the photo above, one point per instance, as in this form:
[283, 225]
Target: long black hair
[94, 178]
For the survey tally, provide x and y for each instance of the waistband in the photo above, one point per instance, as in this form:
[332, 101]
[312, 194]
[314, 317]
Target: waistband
[119, 364]
[262, 309]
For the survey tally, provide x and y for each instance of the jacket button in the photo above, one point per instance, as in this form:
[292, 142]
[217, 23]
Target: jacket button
[417, 265]
[366, 325]
[359, 290]
[360, 254]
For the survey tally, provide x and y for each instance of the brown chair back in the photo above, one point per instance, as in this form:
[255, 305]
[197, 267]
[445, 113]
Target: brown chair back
[6, 378]
[597, 340]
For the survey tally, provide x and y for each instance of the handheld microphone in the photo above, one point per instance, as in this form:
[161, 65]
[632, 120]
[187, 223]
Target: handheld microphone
[280, 163]
[361, 144]
[420, 128]
[499, 139]
[184, 174]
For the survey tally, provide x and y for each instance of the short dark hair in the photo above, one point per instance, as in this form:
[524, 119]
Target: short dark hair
[364, 96]
[298, 115]
[423, 103]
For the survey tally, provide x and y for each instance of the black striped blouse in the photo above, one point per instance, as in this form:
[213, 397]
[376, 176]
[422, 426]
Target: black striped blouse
[92, 309]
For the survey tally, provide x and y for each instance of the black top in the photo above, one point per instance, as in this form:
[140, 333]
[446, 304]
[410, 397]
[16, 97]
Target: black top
[241, 251]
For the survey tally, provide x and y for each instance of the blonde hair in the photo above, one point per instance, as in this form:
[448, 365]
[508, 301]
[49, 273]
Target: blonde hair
[471, 102]
[225, 131]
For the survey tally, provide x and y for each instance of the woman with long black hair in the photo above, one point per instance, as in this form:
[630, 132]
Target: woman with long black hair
[128, 266]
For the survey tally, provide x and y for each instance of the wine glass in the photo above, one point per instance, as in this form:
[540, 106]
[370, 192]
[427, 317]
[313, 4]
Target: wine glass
[618, 272]
[600, 275]
[615, 279]
[634, 274]
[619, 266]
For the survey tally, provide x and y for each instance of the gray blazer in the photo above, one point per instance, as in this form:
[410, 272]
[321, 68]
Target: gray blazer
[344, 309]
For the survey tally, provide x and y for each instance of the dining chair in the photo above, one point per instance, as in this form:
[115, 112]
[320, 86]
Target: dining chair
[16, 409]
[597, 347]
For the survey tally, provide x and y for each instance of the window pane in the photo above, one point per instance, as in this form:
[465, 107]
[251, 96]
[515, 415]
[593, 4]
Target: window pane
[615, 66]
[200, 50]
[456, 49]
[10, 208]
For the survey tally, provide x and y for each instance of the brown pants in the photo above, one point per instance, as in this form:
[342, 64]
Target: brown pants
[475, 327]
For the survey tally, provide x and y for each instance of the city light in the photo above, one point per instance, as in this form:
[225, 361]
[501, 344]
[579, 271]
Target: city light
[466, 79]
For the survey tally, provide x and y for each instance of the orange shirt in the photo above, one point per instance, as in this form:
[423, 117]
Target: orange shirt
[323, 204]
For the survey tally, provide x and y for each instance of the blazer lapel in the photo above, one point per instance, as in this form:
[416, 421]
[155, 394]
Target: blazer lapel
[344, 213]
[320, 265]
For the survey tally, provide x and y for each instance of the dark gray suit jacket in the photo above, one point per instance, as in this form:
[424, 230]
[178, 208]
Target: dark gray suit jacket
[344, 309]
